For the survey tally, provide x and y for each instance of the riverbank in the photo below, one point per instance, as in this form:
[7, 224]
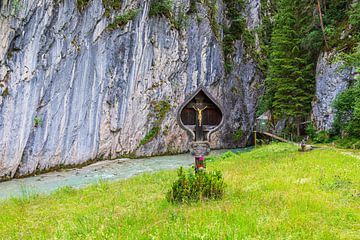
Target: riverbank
[273, 192]
[109, 170]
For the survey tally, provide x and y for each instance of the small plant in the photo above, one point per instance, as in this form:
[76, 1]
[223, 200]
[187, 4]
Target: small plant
[37, 121]
[238, 134]
[193, 7]
[196, 187]
[181, 22]
[110, 5]
[15, 7]
[160, 7]
[161, 108]
[5, 93]
[82, 4]
[150, 135]
[122, 20]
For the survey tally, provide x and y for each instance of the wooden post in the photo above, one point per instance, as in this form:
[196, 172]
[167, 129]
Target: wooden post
[255, 139]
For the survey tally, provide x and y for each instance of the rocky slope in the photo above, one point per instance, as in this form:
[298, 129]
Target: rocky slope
[73, 90]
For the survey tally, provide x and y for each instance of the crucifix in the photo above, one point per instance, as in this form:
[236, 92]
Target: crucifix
[200, 115]
[199, 106]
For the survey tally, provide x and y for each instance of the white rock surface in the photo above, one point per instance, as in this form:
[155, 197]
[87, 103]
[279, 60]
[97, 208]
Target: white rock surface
[331, 79]
[94, 90]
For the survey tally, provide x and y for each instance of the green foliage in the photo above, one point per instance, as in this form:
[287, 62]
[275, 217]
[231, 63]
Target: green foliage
[122, 20]
[15, 7]
[233, 32]
[227, 155]
[311, 131]
[296, 42]
[5, 92]
[160, 108]
[193, 8]
[37, 121]
[181, 21]
[318, 137]
[322, 137]
[161, 7]
[154, 131]
[347, 105]
[212, 13]
[82, 4]
[111, 5]
[338, 14]
[239, 133]
[164, 8]
[196, 187]
[290, 82]
[348, 143]
[347, 40]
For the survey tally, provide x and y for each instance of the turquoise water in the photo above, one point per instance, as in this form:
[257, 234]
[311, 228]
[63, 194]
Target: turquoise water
[104, 170]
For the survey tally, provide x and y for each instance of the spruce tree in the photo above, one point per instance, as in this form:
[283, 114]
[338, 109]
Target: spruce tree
[290, 82]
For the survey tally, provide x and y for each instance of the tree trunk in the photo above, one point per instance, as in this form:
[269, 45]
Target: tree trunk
[321, 22]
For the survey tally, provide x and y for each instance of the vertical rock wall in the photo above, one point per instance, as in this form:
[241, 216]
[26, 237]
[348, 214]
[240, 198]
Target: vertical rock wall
[331, 79]
[71, 90]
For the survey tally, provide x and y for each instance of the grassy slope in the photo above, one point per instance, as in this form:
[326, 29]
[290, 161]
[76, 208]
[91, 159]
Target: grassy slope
[273, 192]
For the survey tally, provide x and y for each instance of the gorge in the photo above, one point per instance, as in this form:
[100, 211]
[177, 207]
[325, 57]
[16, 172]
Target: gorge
[91, 80]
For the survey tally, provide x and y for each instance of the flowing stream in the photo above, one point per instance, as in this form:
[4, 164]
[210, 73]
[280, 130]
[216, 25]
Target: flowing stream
[104, 170]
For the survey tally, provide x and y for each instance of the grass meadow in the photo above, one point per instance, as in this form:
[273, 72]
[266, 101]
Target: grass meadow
[272, 192]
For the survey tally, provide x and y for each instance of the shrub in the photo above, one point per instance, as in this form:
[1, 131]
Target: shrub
[311, 131]
[111, 5]
[322, 137]
[347, 105]
[348, 142]
[160, 7]
[196, 187]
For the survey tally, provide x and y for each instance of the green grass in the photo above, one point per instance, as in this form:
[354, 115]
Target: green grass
[273, 192]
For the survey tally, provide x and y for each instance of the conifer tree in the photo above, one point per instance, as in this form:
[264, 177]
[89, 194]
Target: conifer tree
[290, 82]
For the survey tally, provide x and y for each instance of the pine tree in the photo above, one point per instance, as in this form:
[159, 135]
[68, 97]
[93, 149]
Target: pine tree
[290, 82]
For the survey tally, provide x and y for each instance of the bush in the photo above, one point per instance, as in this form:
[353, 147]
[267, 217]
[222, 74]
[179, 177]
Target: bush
[347, 105]
[348, 142]
[196, 187]
[322, 137]
[160, 7]
[311, 131]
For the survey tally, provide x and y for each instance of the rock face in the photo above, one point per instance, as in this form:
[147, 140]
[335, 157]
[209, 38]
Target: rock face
[73, 90]
[330, 81]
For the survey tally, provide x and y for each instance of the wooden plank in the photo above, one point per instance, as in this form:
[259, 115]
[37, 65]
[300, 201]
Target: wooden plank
[277, 137]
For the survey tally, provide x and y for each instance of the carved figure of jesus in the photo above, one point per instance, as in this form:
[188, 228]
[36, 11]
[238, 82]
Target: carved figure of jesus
[199, 112]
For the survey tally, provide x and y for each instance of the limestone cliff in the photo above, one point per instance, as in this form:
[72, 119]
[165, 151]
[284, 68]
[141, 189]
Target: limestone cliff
[75, 88]
[331, 79]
